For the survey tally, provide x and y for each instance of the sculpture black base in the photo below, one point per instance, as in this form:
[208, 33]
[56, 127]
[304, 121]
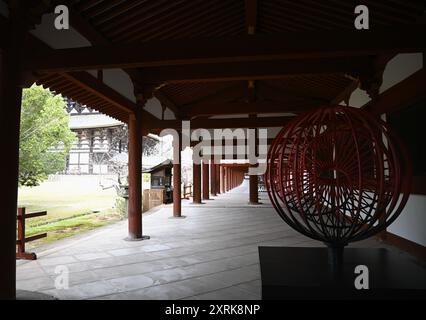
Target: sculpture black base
[305, 273]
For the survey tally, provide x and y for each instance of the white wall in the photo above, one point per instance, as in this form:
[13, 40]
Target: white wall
[58, 39]
[71, 38]
[411, 224]
[154, 107]
[397, 69]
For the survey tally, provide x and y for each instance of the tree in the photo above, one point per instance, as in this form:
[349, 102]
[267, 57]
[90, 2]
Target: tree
[45, 138]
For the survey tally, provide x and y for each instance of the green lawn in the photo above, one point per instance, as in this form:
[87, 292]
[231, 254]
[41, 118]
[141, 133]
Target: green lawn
[73, 204]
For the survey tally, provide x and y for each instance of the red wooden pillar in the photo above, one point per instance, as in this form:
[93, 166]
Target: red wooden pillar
[232, 178]
[217, 178]
[196, 179]
[177, 181]
[10, 102]
[222, 179]
[135, 176]
[206, 191]
[10, 109]
[213, 176]
[253, 189]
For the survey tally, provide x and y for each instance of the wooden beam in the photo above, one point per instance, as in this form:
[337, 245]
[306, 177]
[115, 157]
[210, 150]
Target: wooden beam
[98, 88]
[251, 16]
[261, 122]
[232, 98]
[292, 45]
[222, 95]
[167, 102]
[346, 93]
[291, 105]
[403, 94]
[233, 142]
[253, 70]
[90, 83]
[282, 94]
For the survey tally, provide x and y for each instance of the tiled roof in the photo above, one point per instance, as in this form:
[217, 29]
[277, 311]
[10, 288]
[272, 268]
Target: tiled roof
[94, 120]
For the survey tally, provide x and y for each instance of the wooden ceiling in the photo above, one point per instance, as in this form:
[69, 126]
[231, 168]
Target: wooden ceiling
[201, 90]
[134, 20]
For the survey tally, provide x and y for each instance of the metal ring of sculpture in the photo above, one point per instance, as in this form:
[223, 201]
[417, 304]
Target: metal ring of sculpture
[337, 174]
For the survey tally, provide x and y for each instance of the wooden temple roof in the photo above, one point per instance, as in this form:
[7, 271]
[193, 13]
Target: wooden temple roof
[202, 89]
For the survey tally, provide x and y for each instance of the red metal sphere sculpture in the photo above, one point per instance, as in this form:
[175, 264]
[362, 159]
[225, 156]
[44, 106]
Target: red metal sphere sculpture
[337, 175]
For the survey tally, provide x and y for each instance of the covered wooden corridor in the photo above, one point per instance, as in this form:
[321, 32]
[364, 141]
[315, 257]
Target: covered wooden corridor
[218, 64]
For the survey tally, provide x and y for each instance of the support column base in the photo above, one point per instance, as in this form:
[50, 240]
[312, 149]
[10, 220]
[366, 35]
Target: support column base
[254, 203]
[177, 217]
[137, 239]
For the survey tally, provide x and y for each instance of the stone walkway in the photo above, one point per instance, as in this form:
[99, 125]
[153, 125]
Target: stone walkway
[210, 254]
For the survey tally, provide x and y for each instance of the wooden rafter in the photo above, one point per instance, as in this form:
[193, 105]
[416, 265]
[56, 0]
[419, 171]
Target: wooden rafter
[243, 48]
[167, 102]
[257, 70]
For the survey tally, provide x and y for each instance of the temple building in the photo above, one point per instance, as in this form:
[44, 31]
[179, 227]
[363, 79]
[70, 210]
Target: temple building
[100, 140]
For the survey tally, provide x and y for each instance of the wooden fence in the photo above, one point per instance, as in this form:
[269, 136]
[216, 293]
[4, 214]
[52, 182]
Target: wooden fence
[187, 191]
[20, 243]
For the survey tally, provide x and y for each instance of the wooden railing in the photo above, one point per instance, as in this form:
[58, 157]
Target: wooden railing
[187, 191]
[20, 243]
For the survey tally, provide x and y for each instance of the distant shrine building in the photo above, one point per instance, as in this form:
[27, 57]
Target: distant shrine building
[101, 141]
[99, 138]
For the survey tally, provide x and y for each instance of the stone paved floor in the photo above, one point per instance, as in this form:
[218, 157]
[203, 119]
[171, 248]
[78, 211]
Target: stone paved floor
[211, 254]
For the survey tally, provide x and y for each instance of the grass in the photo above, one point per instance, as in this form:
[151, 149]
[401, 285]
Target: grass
[74, 204]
